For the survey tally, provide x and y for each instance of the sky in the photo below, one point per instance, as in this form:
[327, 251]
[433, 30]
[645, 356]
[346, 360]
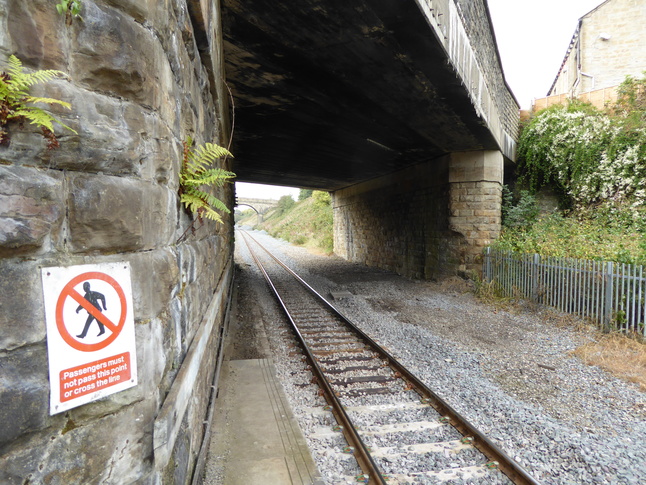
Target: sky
[257, 191]
[532, 37]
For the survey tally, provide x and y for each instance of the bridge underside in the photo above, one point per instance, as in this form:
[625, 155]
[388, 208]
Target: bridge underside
[334, 94]
[328, 94]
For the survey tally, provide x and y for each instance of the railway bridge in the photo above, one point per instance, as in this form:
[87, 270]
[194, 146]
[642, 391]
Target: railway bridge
[399, 109]
[261, 206]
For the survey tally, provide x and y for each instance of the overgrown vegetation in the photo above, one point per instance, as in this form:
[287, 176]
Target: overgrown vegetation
[304, 194]
[196, 173]
[592, 157]
[307, 222]
[621, 356]
[16, 104]
[596, 161]
[69, 8]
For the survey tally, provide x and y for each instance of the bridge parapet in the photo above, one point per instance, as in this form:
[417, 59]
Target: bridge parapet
[464, 28]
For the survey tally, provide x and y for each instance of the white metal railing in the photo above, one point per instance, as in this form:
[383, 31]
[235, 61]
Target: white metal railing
[611, 294]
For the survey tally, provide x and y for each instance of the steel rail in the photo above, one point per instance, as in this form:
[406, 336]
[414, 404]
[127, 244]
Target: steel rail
[361, 452]
[513, 470]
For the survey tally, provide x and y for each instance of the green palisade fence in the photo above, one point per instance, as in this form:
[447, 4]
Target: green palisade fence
[611, 294]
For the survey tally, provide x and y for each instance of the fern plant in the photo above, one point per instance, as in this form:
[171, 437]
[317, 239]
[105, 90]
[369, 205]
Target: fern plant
[16, 102]
[197, 172]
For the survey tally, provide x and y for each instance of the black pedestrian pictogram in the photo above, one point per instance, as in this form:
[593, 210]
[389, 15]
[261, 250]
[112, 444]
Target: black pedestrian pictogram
[93, 297]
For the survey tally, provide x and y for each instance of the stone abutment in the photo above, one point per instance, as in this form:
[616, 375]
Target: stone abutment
[424, 221]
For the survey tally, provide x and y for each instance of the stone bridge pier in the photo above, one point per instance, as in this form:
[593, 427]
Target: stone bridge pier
[429, 219]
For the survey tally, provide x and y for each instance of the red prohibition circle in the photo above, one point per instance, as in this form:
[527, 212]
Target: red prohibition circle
[69, 292]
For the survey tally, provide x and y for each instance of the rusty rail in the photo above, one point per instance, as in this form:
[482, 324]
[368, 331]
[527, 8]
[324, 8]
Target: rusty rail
[498, 458]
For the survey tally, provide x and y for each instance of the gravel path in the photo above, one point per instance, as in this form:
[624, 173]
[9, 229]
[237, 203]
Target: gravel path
[510, 373]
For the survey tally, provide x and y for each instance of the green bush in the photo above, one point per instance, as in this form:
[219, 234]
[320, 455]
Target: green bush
[308, 222]
[580, 235]
[521, 212]
[322, 198]
[590, 156]
[305, 194]
[285, 203]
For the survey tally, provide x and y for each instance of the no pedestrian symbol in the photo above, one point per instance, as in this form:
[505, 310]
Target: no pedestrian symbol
[94, 312]
[90, 332]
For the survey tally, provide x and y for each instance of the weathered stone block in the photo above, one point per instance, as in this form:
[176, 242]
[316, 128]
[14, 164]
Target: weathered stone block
[137, 9]
[476, 166]
[35, 31]
[22, 316]
[113, 449]
[122, 138]
[23, 392]
[155, 278]
[114, 54]
[158, 152]
[118, 214]
[31, 206]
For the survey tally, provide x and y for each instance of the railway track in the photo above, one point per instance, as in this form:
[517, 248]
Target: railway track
[398, 430]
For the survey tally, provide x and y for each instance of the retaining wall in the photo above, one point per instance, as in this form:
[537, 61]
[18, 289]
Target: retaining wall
[141, 78]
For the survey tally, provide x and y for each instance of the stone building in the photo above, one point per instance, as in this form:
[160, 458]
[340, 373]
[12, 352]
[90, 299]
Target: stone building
[608, 44]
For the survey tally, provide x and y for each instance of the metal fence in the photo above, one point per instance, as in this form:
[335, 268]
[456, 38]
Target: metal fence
[611, 294]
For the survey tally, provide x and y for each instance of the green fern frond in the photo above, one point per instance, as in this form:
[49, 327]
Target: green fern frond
[209, 213]
[208, 199]
[192, 202]
[197, 206]
[32, 99]
[22, 80]
[209, 153]
[14, 99]
[196, 172]
[219, 205]
[38, 117]
[35, 117]
[212, 176]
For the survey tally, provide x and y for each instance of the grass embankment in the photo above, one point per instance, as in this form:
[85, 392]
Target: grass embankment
[307, 223]
[597, 236]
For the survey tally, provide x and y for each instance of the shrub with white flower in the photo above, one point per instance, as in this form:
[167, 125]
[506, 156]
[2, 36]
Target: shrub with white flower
[592, 157]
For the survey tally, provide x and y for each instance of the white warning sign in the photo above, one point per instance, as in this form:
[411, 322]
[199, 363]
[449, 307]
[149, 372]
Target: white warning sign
[90, 332]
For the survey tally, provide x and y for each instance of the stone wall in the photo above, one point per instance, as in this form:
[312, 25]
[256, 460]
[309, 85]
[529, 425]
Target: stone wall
[425, 221]
[397, 222]
[141, 77]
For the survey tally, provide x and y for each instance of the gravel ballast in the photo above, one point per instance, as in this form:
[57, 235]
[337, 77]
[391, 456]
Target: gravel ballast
[509, 372]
